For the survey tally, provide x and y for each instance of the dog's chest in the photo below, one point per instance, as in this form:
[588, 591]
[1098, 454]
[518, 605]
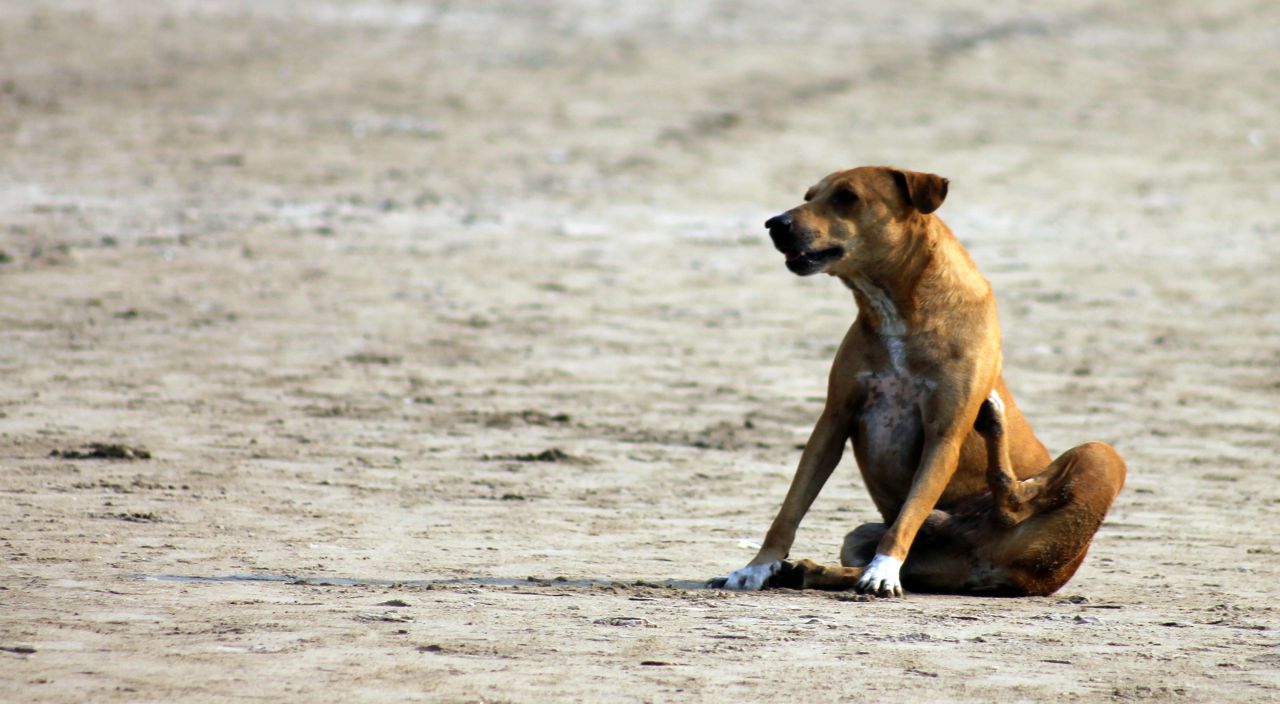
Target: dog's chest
[889, 436]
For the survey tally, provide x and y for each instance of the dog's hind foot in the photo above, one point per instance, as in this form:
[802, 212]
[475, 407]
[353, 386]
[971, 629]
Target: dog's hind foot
[990, 420]
[807, 574]
[789, 574]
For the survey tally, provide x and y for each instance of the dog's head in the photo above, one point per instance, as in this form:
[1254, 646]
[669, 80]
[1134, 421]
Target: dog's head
[851, 214]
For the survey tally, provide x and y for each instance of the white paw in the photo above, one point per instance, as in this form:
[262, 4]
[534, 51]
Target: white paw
[749, 578]
[881, 577]
[994, 398]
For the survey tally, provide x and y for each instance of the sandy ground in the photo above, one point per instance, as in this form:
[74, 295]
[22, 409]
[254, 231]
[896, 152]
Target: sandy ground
[462, 357]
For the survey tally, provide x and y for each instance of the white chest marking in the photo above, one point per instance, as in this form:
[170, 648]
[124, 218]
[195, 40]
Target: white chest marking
[897, 353]
[892, 326]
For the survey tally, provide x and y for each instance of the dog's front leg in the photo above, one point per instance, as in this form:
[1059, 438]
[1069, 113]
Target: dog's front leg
[945, 427]
[937, 466]
[821, 455]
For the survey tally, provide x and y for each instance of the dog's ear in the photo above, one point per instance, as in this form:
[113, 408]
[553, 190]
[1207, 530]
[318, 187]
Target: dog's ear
[925, 192]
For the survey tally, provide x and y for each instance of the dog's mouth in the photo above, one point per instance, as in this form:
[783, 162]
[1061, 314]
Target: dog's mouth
[805, 263]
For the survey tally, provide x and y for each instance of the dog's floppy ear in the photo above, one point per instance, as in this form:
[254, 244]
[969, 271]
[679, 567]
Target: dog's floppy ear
[925, 192]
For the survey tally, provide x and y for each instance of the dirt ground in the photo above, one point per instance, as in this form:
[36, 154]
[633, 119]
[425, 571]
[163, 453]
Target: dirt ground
[462, 358]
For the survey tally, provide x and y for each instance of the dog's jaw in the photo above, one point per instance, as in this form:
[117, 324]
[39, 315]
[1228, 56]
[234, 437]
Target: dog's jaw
[807, 263]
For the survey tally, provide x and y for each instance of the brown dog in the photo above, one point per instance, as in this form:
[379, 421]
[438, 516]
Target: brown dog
[970, 500]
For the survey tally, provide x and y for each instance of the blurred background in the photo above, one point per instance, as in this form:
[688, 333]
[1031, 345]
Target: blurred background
[478, 290]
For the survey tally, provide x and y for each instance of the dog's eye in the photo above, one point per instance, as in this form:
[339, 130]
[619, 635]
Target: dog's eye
[844, 198]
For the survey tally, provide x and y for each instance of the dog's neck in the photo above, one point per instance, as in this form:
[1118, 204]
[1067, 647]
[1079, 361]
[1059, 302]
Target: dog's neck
[877, 305]
[901, 282]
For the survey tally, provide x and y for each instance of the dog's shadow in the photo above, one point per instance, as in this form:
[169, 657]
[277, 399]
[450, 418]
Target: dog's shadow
[458, 582]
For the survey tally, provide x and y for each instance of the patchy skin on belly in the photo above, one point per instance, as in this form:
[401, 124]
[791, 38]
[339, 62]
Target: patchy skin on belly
[891, 413]
[891, 433]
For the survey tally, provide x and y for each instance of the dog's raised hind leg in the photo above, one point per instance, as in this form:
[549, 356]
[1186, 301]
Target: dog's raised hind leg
[1010, 504]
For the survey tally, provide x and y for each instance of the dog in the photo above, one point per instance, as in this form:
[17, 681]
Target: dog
[970, 501]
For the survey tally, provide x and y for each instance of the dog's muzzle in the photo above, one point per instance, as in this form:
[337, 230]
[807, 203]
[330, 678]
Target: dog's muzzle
[801, 259]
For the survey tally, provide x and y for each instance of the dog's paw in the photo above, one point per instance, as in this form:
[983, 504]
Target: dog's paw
[749, 578]
[994, 399]
[880, 578]
[990, 420]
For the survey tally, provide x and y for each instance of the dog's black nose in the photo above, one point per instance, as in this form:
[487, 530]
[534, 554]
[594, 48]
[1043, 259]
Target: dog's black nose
[778, 222]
